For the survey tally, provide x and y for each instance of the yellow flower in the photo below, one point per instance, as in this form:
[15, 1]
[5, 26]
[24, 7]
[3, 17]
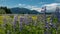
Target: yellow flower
[34, 17]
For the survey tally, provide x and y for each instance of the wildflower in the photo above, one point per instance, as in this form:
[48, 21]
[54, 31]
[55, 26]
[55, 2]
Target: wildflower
[21, 19]
[21, 22]
[59, 17]
[47, 26]
[5, 20]
[15, 20]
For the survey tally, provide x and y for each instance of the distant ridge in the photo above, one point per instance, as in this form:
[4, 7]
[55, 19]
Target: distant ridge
[18, 10]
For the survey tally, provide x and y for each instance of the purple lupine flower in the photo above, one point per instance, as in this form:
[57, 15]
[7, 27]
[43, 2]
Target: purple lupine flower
[47, 25]
[21, 22]
[57, 13]
[44, 12]
[51, 23]
[46, 28]
[26, 21]
[21, 19]
[15, 17]
[15, 20]
[51, 20]
[43, 9]
[52, 26]
[5, 21]
[59, 17]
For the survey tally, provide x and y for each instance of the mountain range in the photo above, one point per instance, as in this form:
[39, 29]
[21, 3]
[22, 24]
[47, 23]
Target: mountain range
[18, 10]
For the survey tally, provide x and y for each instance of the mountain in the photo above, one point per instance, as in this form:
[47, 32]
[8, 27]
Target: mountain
[18, 10]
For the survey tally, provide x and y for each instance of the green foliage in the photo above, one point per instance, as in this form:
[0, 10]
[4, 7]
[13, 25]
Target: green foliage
[55, 20]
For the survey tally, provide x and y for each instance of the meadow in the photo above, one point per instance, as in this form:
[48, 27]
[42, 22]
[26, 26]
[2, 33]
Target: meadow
[28, 24]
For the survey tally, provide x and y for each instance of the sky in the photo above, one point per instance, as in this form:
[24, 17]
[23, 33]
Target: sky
[31, 4]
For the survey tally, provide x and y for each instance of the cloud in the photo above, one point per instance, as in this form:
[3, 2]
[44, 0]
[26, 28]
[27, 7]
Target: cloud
[30, 7]
[42, 3]
[36, 8]
[51, 6]
[21, 5]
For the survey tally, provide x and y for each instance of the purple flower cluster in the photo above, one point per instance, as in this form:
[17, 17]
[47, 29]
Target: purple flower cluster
[21, 22]
[51, 21]
[59, 17]
[15, 20]
[46, 23]
[22, 18]
[26, 21]
[57, 13]
[43, 9]
[47, 26]
[4, 20]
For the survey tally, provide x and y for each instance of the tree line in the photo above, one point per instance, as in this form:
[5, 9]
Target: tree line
[5, 10]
